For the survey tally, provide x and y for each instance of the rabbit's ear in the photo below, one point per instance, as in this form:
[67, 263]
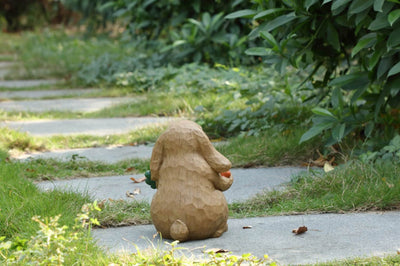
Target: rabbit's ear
[157, 158]
[216, 160]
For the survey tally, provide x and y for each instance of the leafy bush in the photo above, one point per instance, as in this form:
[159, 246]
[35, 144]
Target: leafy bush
[194, 32]
[351, 49]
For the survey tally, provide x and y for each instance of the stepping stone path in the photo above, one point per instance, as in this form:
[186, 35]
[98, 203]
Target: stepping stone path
[26, 83]
[72, 105]
[247, 183]
[329, 236]
[33, 94]
[98, 127]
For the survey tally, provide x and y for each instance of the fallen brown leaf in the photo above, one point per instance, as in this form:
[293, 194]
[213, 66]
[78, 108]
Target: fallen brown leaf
[130, 169]
[139, 180]
[101, 204]
[136, 191]
[130, 194]
[247, 227]
[300, 230]
[216, 250]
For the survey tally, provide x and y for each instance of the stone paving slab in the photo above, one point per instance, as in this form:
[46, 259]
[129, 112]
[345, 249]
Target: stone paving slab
[72, 105]
[247, 183]
[111, 154]
[26, 83]
[6, 64]
[34, 94]
[5, 68]
[98, 127]
[329, 237]
[3, 73]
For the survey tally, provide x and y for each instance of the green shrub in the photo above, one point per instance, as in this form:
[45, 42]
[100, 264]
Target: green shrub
[194, 32]
[351, 49]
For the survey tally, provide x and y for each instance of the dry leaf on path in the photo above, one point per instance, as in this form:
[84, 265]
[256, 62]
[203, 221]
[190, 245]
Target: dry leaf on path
[130, 194]
[216, 250]
[247, 227]
[300, 230]
[136, 191]
[130, 169]
[139, 180]
[328, 167]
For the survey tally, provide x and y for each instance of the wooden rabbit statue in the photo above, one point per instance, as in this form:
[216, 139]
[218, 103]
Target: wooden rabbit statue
[189, 203]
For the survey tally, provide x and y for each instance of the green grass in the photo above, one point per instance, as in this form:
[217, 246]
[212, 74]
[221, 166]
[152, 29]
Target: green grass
[351, 187]
[271, 148]
[20, 200]
[122, 213]
[18, 142]
[50, 169]
[372, 261]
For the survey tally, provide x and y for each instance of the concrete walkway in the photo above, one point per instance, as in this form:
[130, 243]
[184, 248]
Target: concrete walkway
[33, 94]
[72, 105]
[26, 83]
[247, 183]
[98, 127]
[329, 237]
[111, 154]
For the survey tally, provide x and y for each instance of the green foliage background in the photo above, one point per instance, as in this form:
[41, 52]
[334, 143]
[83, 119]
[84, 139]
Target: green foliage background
[339, 58]
[350, 49]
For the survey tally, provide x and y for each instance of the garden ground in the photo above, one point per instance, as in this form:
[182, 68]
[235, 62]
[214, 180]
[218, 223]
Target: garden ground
[329, 236]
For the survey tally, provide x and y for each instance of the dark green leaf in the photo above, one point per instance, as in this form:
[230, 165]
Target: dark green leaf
[393, 16]
[326, 1]
[322, 112]
[338, 132]
[258, 51]
[380, 49]
[333, 37]
[337, 99]
[394, 102]
[384, 65]
[270, 39]
[266, 13]
[338, 3]
[360, 91]
[314, 131]
[378, 5]
[346, 79]
[368, 129]
[380, 22]
[394, 70]
[360, 17]
[279, 21]
[358, 6]
[394, 39]
[365, 42]
[309, 3]
[394, 85]
[246, 13]
[381, 100]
